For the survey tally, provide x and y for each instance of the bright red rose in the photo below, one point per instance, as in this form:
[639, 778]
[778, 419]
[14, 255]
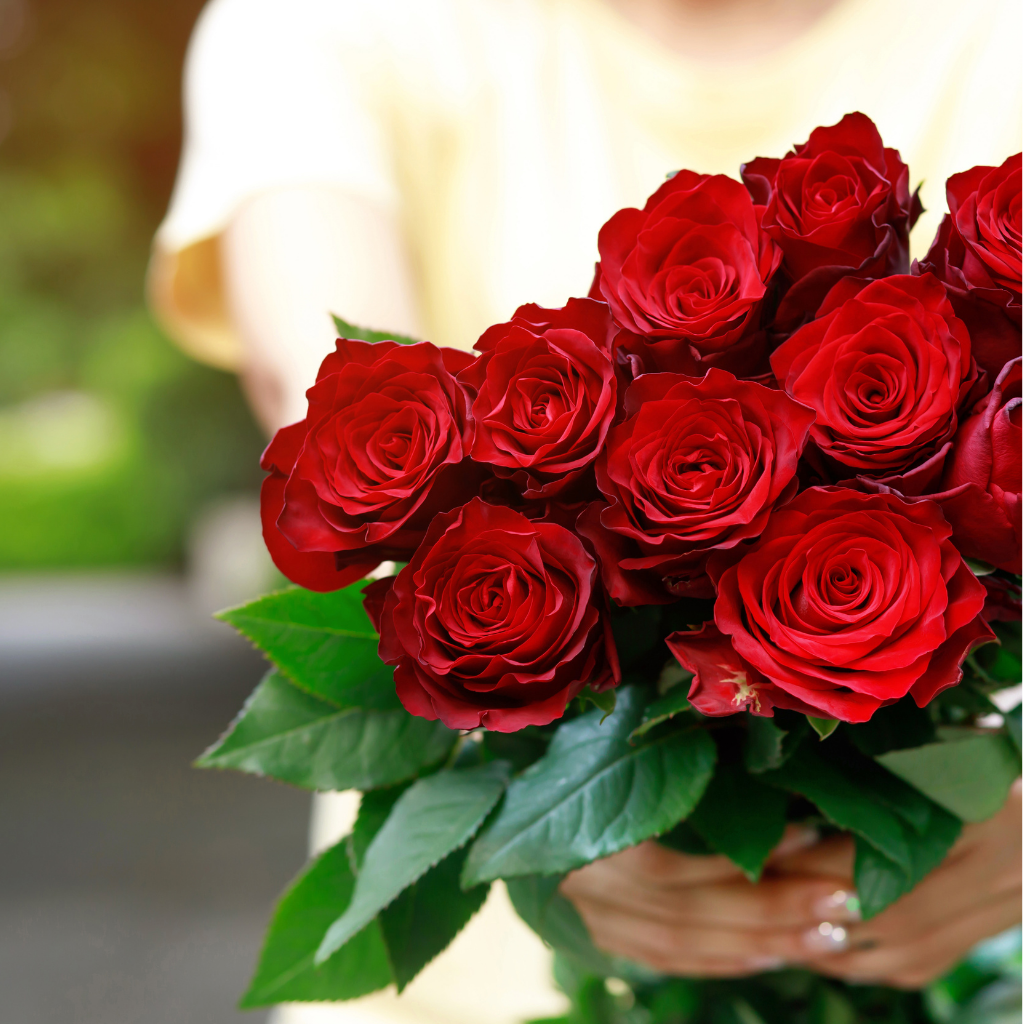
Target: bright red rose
[497, 621]
[885, 367]
[688, 273]
[697, 466]
[544, 390]
[384, 446]
[977, 253]
[847, 602]
[839, 204]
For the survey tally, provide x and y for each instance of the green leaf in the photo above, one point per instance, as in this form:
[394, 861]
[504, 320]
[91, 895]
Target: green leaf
[353, 333]
[661, 710]
[1012, 719]
[374, 808]
[902, 724]
[593, 794]
[286, 970]
[824, 727]
[424, 919]
[290, 735]
[604, 701]
[741, 817]
[970, 777]
[539, 903]
[431, 818]
[324, 643]
[684, 838]
[880, 881]
[763, 749]
[520, 748]
[843, 801]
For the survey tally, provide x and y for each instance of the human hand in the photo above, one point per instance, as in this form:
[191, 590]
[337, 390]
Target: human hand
[700, 916]
[973, 894]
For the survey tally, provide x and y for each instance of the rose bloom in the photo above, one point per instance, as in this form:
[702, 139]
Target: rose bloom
[981, 485]
[544, 390]
[977, 253]
[696, 466]
[688, 274]
[497, 621]
[383, 447]
[885, 367]
[838, 204]
[848, 602]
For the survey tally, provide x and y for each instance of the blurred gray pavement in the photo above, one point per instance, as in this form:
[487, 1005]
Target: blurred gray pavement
[134, 889]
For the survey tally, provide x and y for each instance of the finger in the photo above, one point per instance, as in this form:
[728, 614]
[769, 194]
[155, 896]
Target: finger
[624, 933]
[832, 857]
[914, 964]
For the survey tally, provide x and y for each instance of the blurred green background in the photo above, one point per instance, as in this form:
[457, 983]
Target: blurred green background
[111, 440]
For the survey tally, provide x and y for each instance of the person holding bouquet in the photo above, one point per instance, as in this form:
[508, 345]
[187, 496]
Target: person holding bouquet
[423, 167]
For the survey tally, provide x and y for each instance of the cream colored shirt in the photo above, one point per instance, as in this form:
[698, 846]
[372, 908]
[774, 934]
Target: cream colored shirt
[501, 134]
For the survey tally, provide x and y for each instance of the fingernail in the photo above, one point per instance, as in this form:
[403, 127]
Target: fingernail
[827, 938]
[765, 963]
[841, 905]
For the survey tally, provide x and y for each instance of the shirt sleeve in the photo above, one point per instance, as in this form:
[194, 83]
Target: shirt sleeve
[276, 94]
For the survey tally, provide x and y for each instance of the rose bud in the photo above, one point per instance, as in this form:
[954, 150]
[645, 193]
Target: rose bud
[839, 204]
[981, 486]
[383, 448]
[697, 466]
[885, 367]
[977, 253]
[847, 602]
[544, 391]
[497, 621]
[689, 274]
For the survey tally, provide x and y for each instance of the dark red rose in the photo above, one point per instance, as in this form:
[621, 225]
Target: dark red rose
[885, 366]
[977, 253]
[697, 466]
[1003, 599]
[847, 602]
[981, 486]
[497, 621]
[384, 447]
[839, 204]
[688, 273]
[544, 391]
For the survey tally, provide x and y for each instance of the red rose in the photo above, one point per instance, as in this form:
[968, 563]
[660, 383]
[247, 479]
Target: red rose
[977, 253]
[380, 451]
[688, 272]
[981, 486]
[885, 367]
[839, 204]
[847, 602]
[697, 466]
[1003, 599]
[544, 394]
[497, 621]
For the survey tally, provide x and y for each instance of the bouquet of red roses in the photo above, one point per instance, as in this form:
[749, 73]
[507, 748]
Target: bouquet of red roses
[728, 543]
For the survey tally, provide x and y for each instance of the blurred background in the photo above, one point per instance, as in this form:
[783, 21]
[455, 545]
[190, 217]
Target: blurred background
[132, 887]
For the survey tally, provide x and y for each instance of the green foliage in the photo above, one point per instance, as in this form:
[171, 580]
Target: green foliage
[603, 701]
[324, 643]
[350, 331]
[286, 970]
[970, 776]
[293, 736]
[824, 727]
[593, 794]
[765, 747]
[901, 834]
[424, 919]
[539, 903]
[741, 817]
[661, 710]
[902, 724]
[435, 816]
